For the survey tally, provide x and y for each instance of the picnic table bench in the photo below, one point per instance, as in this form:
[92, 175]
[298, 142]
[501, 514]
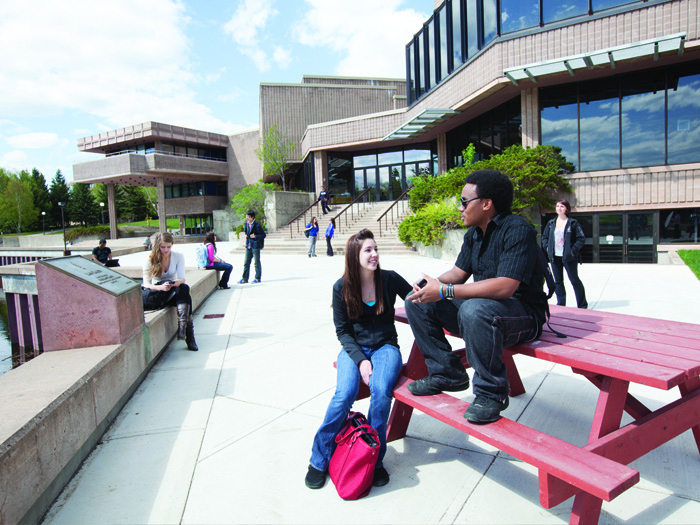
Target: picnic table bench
[611, 351]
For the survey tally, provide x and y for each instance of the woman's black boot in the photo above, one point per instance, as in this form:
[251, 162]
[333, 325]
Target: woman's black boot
[183, 314]
[191, 343]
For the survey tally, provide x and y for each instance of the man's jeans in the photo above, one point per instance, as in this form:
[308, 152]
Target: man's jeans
[222, 267]
[486, 325]
[252, 254]
[386, 366]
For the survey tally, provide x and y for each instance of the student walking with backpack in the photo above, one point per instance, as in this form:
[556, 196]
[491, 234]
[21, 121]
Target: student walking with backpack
[254, 242]
[312, 229]
[563, 239]
[216, 263]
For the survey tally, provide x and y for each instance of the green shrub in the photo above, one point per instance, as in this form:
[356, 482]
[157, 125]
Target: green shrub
[692, 259]
[74, 233]
[429, 224]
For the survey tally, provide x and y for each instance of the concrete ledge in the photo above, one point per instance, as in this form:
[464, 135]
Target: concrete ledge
[57, 406]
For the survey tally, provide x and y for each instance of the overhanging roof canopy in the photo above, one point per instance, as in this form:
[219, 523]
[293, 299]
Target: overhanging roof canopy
[426, 119]
[647, 48]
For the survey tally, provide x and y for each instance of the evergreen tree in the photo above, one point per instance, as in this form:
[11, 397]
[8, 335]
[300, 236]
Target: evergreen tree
[82, 207]
[135, 204]
[17, 211]
[58, 192]
[42, 198]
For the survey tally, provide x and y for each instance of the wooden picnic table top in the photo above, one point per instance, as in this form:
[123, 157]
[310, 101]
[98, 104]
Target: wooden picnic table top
[658, 353]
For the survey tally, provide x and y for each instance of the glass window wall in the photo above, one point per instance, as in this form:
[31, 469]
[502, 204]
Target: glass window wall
[442, 43]
[683, 114]
[430, 44]
[643, 117]
[456, 26]
[599, 124]
[519, 14]
[559, 120]
[555, 10]
[490, 14]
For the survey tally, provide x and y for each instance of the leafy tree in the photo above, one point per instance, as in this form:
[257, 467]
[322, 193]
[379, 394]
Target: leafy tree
[536, 173]
[58, 192]
[252, 198]
[273, 151]
[82, 207]
[17, 209]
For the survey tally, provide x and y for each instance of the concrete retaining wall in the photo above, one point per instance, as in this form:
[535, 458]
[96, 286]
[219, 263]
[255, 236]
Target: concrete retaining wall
[56, 407]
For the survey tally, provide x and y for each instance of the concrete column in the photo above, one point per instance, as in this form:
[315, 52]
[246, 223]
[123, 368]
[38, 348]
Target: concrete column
[530, 110]
[321, 170]
[442, 153]
[182, 225]
[112, 211]
[162, 219]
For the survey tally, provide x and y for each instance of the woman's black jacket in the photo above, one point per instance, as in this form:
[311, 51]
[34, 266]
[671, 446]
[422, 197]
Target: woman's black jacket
[370, 330]
[574, 239]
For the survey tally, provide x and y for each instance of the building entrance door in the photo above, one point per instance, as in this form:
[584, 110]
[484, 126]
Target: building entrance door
[626, 237]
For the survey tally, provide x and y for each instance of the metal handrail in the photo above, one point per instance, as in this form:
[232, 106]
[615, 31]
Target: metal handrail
[401, 199]
[352, 210]
[291, 233]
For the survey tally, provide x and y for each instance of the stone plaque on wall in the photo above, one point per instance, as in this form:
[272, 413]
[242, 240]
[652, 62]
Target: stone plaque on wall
[83, 303]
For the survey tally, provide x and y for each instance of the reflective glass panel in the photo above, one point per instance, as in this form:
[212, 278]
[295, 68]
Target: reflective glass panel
[422, 86]
[412, 155]
[643, 119]
[684, 114]
[393, 157]
[397, 183]
[519, 14]
[384, 191]
[599, 5]
[472, 31]
[371, 178]
[444, 68]
[430, 40]
[359, 182]
[411, 72]
[364, 160]
[553, 10]
[490, 20]
[600, 125]
[559, 119]
[457, 57]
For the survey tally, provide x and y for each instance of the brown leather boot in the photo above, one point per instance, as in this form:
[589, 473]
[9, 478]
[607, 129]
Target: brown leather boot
[183, 314]
[189, 339]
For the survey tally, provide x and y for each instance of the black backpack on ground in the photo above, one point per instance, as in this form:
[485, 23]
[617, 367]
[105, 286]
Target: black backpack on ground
[549, 280]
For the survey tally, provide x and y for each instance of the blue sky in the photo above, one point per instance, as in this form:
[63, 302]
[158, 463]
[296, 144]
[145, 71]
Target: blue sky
[72, 68]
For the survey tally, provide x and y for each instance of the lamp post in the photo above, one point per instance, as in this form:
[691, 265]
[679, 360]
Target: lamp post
[43, 220]
[102, 211]
[63, 222]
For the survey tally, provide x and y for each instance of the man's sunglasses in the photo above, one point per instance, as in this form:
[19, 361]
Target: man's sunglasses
[464, 201]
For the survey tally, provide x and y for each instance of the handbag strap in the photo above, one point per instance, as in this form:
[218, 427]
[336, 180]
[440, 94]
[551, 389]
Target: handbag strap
[355, 433]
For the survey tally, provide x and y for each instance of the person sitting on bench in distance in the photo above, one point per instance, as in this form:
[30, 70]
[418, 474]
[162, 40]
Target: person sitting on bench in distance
[504, 305]
[363, 314]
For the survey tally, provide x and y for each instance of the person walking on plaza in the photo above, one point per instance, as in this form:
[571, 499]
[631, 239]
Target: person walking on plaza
[254, 239]
[330, 230]
[216, 263]
[563, 239]
[101, 254]
[363, 314]
[163, 274]
[504, 305]
[312, 228]
[323, 198]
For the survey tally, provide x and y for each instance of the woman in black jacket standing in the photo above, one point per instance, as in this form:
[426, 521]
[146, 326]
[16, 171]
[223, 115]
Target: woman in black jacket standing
[563, 239]
[363, 313]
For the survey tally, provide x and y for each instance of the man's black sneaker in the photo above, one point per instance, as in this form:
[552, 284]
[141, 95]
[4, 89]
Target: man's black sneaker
[381, 477]
[485, 410]
[431, 385]
[315, 479]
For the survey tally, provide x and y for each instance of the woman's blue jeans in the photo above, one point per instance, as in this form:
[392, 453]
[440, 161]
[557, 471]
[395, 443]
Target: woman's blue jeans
[312, 244]
[222, 267]
[386, 367]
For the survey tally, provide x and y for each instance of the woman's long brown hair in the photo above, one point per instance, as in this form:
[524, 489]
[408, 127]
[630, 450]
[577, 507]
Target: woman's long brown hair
[352, 284]
[211, 239]
[156, 258]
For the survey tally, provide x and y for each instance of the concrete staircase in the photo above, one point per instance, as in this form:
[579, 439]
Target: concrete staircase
[365, 217]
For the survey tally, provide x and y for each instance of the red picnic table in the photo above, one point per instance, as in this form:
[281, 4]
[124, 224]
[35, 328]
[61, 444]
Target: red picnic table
[611, 351]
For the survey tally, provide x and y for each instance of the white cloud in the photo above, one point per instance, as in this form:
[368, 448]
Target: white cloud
[245, 26]
[282, 57]
[369, 36]
[123, 62]
[14, 160]
[33, 140]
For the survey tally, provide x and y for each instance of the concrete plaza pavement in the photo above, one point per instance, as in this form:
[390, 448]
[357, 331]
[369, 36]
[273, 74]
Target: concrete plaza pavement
[223, 435]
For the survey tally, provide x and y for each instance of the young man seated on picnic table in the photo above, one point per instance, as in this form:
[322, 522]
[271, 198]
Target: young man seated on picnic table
[504, 305]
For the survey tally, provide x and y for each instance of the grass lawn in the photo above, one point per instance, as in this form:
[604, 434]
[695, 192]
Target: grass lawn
[173, 224]
[692, 259]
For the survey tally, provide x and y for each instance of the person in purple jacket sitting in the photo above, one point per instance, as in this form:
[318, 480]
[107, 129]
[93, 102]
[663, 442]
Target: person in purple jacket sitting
[216, 263]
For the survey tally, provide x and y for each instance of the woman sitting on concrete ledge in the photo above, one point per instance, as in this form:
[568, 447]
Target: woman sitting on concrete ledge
[164, 285]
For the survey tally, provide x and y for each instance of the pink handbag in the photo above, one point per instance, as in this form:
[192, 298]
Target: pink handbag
[352, 465]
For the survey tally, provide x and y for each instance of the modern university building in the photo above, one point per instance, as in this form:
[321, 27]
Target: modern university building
[615, 84]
